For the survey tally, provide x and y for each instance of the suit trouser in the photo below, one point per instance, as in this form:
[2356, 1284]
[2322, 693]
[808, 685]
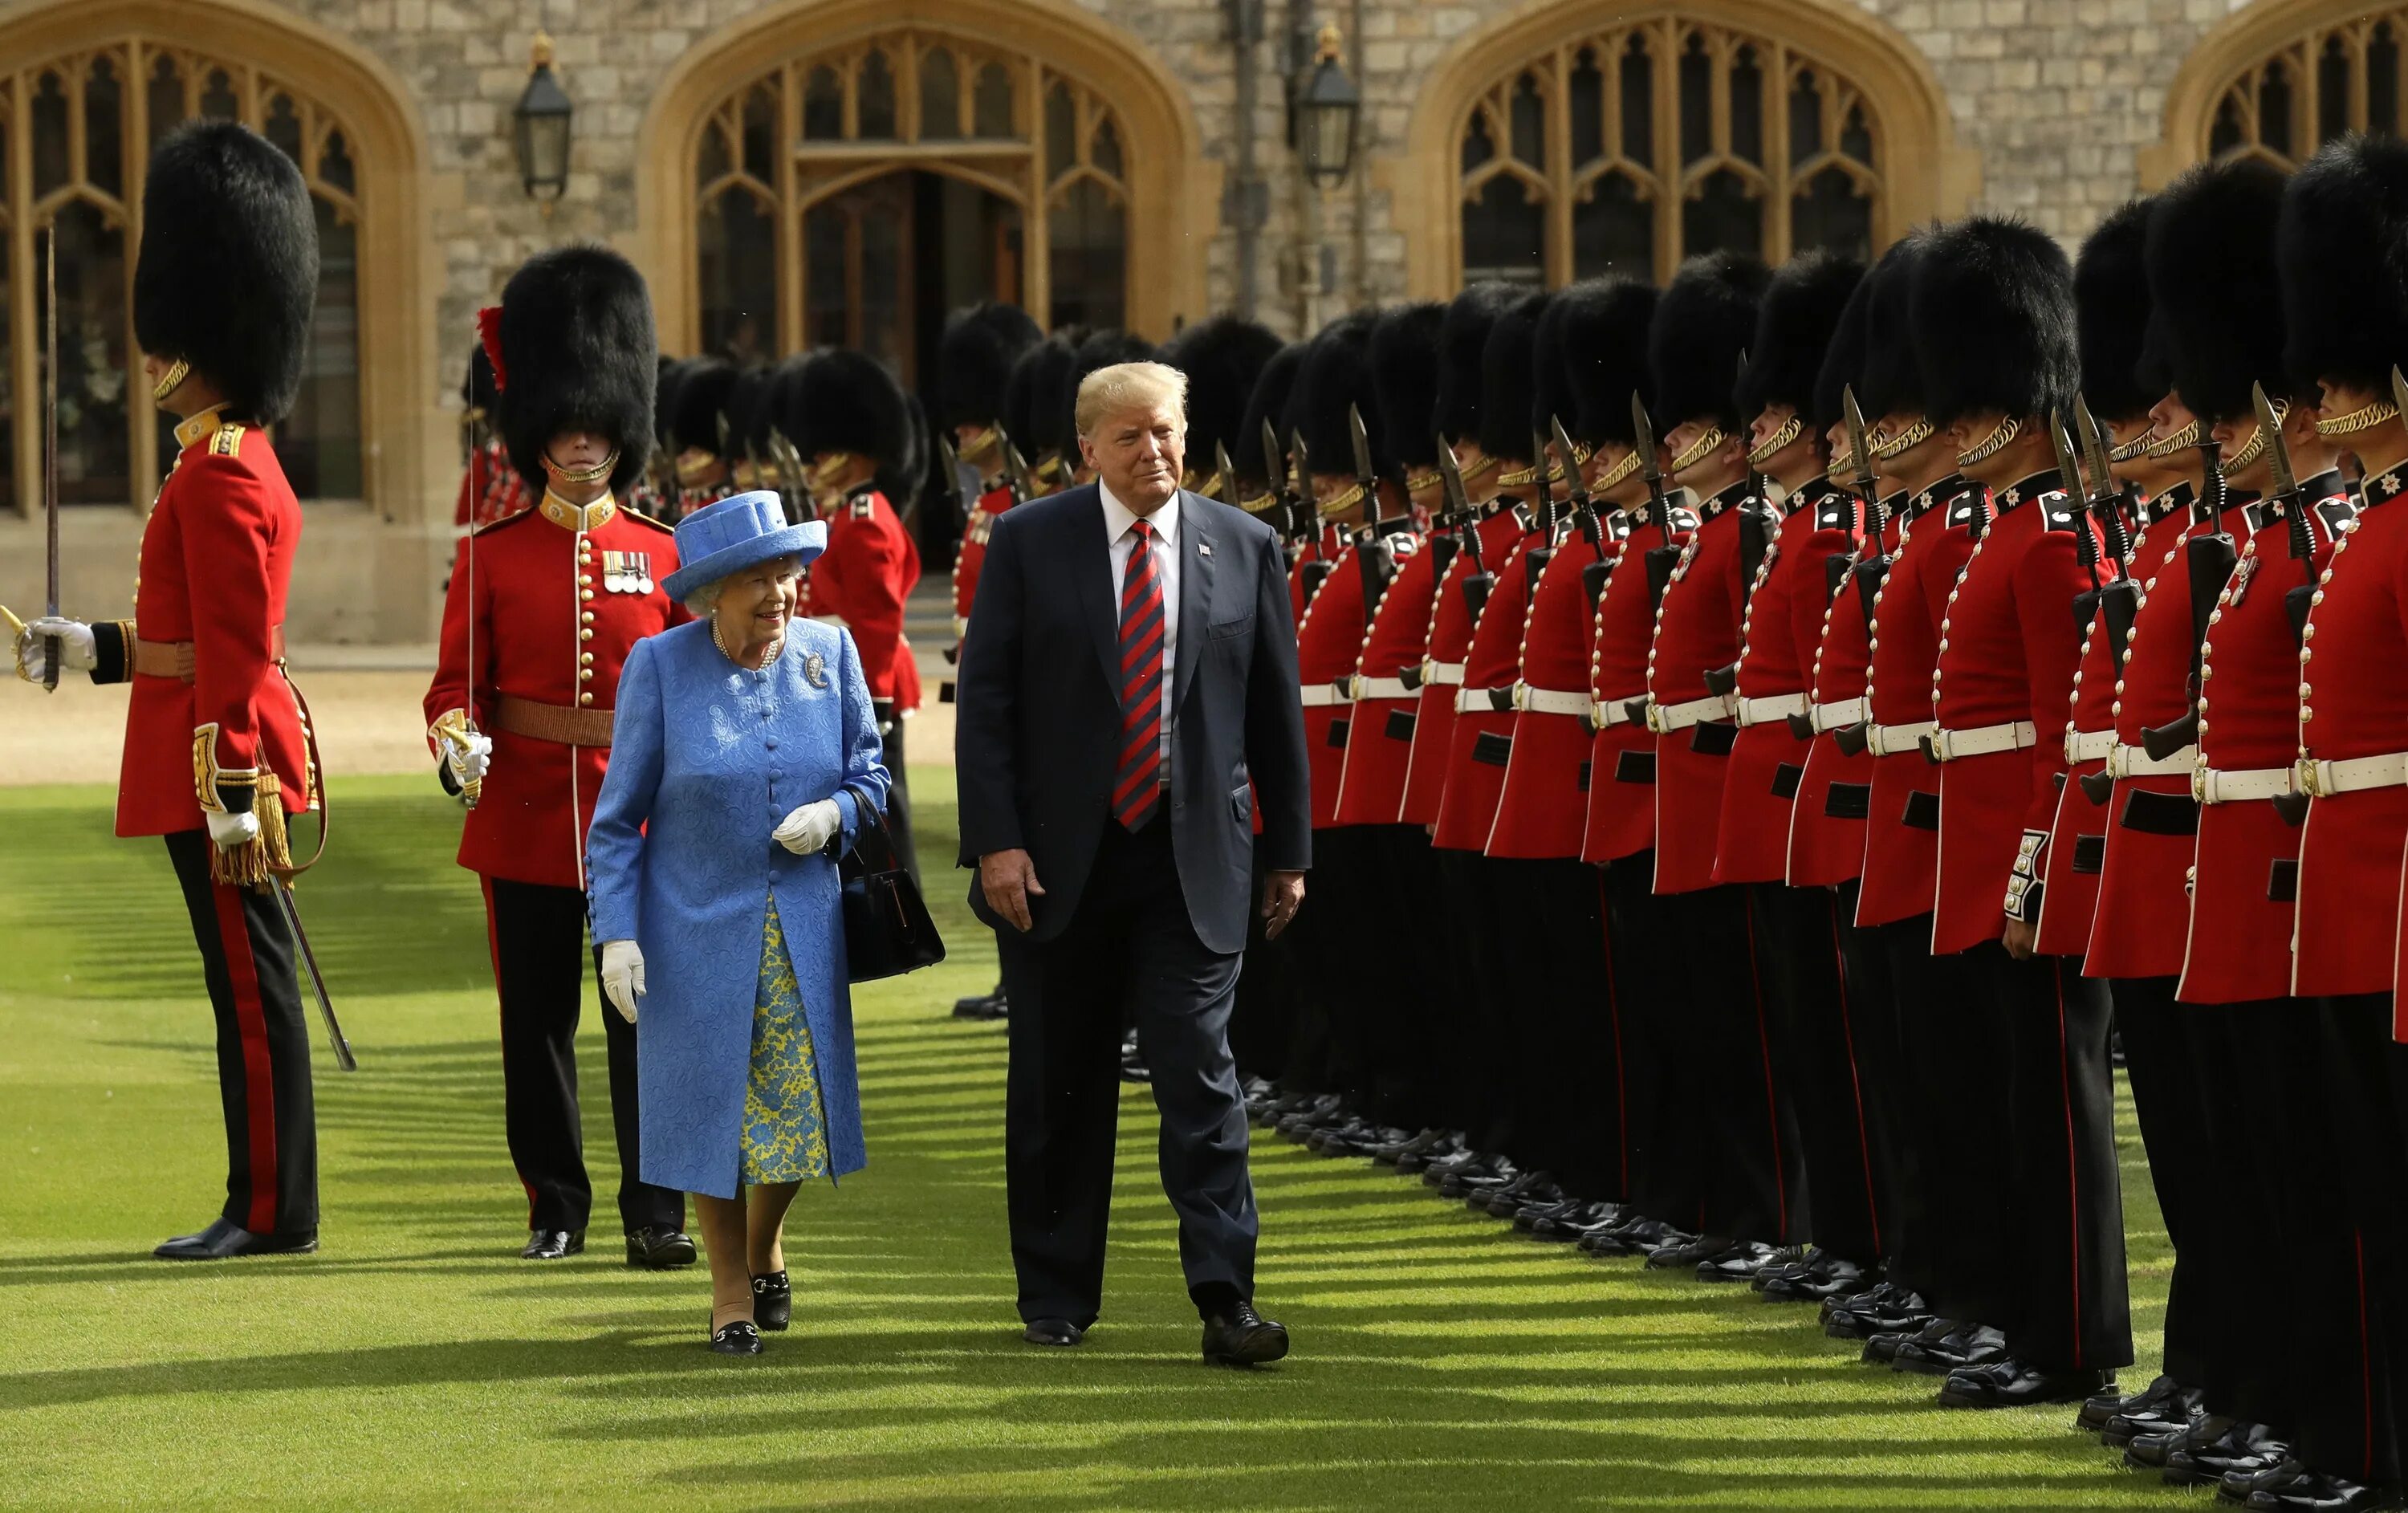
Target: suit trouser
[2161, 1061]
[1952, 1049]
[538, 934]
[263, 1042]
[1814, 1046]
[1873, 1008]
[1560, 1018]
[1130, 947]
[1755, 1183]
[1664, 1178]
[2067, 1210]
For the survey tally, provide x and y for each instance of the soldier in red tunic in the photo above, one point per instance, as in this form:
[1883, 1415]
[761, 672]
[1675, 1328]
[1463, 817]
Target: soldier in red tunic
[1798, 930]
[1753, 1188]
[974, 361]
[1993, 320]
[701, 469]
[542, 614]
[217, 751]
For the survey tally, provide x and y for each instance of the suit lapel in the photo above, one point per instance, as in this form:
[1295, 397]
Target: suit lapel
[1196, 565]
[1091, 563]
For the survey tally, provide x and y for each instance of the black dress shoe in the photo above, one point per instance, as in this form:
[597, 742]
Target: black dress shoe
[989, 1005]
[1240, 1337]
[1060, 1332]
[2100, 1407]
[1460, 1182]
[773, 1301]
[738, 1338]
[2174, 1408]
[659, 1247]
[1826, 1277]
[2294, 1487]
[1887, 1310]
[2196, 1460]
[1633, 1234]
[223, 1240]
[1426, 1144]
[2010, 1383]
[1741, 1262]
[1566, 1221]
[552, 1244]
[1793, 1266]
[1437, 1170]
[1976, 1345]
[1684, 1254]
[1505, 1199]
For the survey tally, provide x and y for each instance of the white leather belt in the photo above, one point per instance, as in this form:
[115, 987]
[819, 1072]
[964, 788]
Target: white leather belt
[1381, 688]
[1838, 714]
[1766, 710]
[2083, 746]
[1550, 701]
[2135, 761]
[961, 626]
[2211, 785]
[1666, 718]
[1607, 713]
[1441, 671]
[1321, 695]
[1981, 740]
[1490, 699]
[2353, 774]
[1898, 740]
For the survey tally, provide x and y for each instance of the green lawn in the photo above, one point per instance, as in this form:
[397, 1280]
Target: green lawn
[1440, 1361]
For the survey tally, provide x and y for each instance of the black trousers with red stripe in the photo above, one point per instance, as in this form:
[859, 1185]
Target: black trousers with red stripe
[1815, 1038]
[1880, 1060]
[2194, 1187]
[2065, 1212]
[537, 933]
[1665, 1170]
[1956, 1068]
[1742, 1113]
[1560, 1022]
[263, 1046]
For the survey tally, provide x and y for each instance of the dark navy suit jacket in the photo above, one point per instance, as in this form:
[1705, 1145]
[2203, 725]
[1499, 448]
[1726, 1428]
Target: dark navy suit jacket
[1037, 721]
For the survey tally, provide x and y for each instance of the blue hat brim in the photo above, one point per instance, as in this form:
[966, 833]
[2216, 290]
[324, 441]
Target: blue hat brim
[805, 542]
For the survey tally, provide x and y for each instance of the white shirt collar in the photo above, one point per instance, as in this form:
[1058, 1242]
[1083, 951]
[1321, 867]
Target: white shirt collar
[1118, 518]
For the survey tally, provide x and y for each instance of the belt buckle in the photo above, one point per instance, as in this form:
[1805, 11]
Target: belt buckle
[1354, 687]
[1655, 719]
[2199, 785]
[1521, 695]
[1936, 747]
[2304, 776]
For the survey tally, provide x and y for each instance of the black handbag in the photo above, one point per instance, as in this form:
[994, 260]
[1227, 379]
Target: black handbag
[887, 931]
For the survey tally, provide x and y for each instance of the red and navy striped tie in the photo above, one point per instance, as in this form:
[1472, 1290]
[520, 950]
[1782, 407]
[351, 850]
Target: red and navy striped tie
[1137, 791]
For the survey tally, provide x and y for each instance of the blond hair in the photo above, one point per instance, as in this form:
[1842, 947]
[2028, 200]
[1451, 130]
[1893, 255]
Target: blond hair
[1127, 386]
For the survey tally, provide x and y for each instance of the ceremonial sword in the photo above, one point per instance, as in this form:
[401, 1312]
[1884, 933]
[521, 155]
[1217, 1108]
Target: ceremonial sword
[51, 644]
[342, 1047]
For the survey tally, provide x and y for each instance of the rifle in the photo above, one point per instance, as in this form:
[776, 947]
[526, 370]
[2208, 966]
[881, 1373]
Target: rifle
[1374, 556]
[1455, 512]
[2207, 559]
[1015, 467]
[2086, 545]
[964, 503]
[1477, 582]
[1872, 565]
[1661, 557]
[1593, 574]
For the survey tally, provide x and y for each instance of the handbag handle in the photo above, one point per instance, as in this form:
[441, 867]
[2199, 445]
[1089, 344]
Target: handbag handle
[868, 813]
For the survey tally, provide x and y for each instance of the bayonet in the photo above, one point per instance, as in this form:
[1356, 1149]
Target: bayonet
[1860, 456]
[2278, 451]
[964, 503]
[1660, 558]
[1361, 440]
[1229, 475]
[2287, 498]
[1023, 482]
[1457, 511]
[1575, 486]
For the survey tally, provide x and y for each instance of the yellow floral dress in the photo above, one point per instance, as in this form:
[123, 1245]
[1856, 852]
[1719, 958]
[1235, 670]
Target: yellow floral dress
[785, 1128]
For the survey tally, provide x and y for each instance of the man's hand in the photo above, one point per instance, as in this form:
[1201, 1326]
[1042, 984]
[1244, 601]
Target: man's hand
[77, 652]
[2019, 938]
[232, 830]
[1282, 895]
[1009, 880]
[471, 756]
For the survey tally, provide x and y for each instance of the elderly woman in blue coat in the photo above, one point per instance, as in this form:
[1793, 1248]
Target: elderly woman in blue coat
[742, 754]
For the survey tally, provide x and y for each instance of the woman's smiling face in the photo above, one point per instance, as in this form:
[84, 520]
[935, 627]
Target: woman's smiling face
[756, 603]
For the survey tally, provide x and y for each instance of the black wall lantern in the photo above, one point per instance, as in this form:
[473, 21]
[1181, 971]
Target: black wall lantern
[1327, 104]
[542, 127]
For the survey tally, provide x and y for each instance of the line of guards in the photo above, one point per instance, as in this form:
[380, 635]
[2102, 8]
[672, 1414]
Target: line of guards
[1739, 832]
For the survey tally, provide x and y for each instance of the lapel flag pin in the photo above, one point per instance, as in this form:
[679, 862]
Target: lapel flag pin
[1203, 549]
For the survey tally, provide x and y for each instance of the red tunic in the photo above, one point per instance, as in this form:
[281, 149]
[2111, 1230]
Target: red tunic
[216, 560]
[1902, 814]
[2239, 949]
[2353, 704]
[1826, 824]
[1501, 524]
[861, 582]
[1621, 818]
[971, 558]
[1380, 733]
[2008, 645]
[553, 625]
[1696, 629]
[1541, 809]
[1482, 742]
[1778, 636]
[1329, 644]
[1323, 552]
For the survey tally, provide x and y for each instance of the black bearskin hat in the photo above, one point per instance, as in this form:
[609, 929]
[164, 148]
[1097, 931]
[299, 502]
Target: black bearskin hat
[785, 380]
[2210, 256]
[1843, 360]
[1028, 410]
[704, 393]
[1463, 340]
[1605, 350]
[1404, 377]
[228, 268]
[901, 476]
[1793, 331]
[846, 400]
[2111, 303]
[1552, 395]
[1268, 402]
[1222, 357]
[974, 361]
[1993, 315]
[1335, 377]
[1507, 366]
[747, 411]
[1704, 322]
[1101, 350]
[1892, 373]
[578, 354]
[2344, 254]
[668, 375]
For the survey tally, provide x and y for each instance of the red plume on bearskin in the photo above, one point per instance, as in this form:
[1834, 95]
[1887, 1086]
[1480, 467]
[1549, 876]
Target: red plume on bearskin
[489, 336]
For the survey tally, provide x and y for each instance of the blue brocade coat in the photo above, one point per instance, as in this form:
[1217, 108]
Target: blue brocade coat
[707, 759]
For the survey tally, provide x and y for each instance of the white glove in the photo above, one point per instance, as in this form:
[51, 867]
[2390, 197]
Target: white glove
[470, 755]
[622, 976]
[76, 653]
[232, 830]
[808, 830]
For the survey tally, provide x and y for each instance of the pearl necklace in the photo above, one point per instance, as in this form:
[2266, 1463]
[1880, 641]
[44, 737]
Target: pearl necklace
[769, 654]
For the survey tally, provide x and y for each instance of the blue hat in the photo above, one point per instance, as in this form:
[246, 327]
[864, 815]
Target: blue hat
[737, 533]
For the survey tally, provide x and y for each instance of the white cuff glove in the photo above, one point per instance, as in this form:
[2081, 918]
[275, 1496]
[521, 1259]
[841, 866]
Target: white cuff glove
[808, 830]
[470, 755]
[76, 652]
[231, 831]
[622, 976]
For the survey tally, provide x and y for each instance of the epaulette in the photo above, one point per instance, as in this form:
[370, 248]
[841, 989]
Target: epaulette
[862, 508]
[638, 515]
[1522, 514]
[227, 442]
[1837, 513]
[510, 518]
[2063, 514]
[2338, 511]
[1966, 508]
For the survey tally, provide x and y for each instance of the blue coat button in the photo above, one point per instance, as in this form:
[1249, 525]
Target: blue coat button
[770, 744]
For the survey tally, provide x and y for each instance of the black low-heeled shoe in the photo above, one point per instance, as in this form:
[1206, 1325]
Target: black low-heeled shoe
[738, 1338]
[773, 1301]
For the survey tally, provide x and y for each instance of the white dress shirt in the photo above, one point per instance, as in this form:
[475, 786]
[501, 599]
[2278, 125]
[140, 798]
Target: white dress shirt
[1118, 520]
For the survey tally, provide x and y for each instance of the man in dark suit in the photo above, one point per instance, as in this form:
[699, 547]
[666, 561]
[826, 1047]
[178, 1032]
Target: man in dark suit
[1127, 695]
